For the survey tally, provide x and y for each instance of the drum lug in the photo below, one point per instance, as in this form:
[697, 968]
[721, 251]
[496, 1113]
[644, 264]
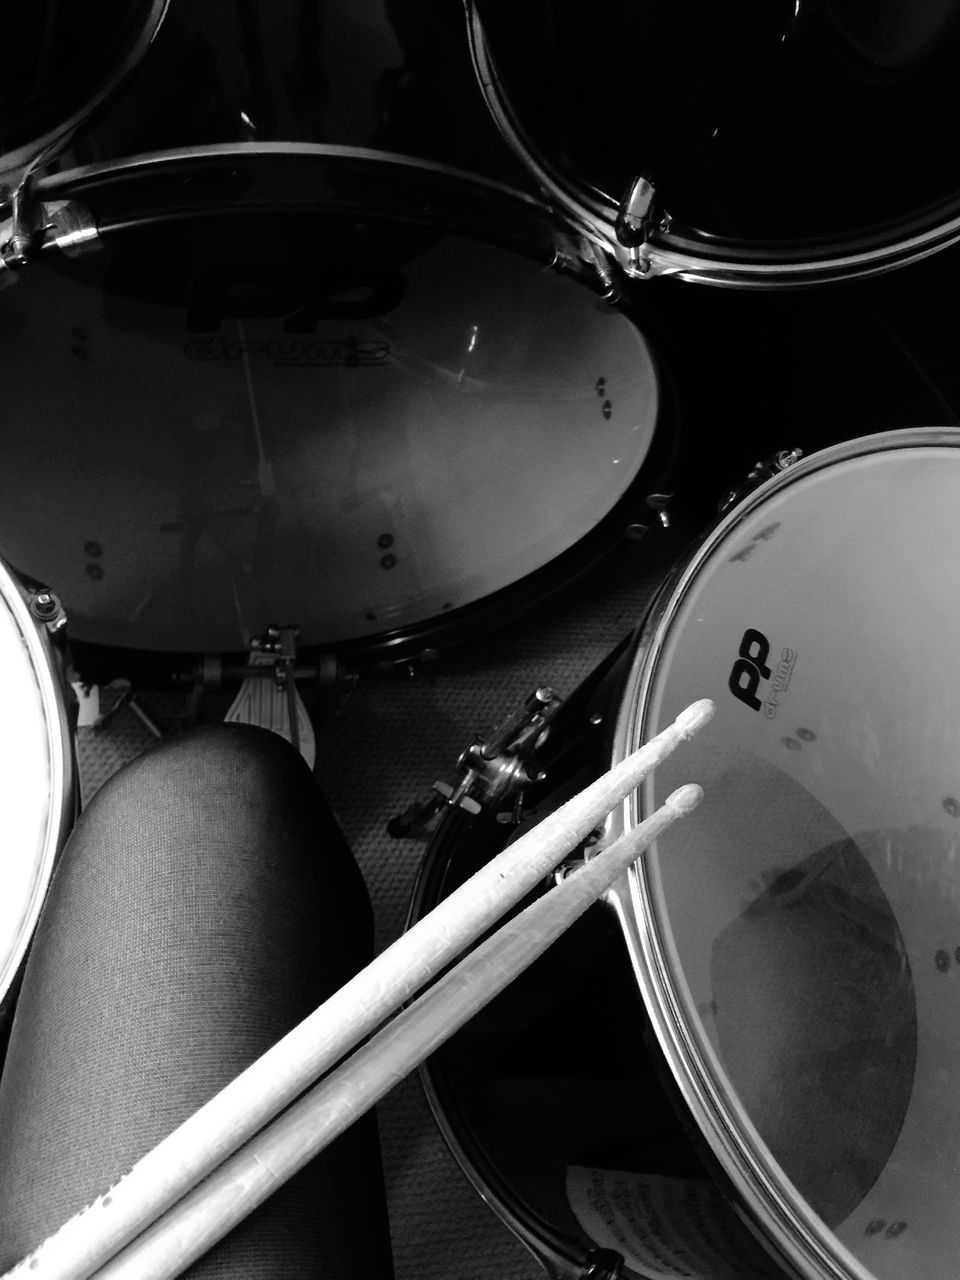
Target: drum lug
[490, 772]
[761, 471]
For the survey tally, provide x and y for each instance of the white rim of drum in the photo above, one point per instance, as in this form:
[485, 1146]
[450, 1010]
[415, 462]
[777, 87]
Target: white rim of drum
[57, 755]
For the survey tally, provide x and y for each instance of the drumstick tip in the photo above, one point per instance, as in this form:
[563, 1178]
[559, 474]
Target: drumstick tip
[685, 799]
[695, 717]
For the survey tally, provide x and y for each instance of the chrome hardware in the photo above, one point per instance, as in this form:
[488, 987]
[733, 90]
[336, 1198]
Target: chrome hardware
[273, 659]
[23, 235]
[32, 226]
[599, 264]
[71, 227]
[580, 255]
[658, 502]
[275, 652]
[46, 608]
[491, 772]
[761, 471]
[638, 215]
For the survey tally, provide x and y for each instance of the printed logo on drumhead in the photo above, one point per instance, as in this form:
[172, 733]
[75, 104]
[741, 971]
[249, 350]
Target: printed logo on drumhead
[754, 681]
[326, 353]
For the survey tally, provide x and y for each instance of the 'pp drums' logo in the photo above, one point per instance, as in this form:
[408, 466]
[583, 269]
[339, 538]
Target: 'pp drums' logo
[751, 670]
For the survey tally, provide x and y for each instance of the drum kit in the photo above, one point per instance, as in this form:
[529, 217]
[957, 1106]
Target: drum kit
[225, 229]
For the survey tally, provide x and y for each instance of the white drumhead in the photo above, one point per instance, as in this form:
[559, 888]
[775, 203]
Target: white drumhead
[32, 781]
[806, 919]
[466, 418]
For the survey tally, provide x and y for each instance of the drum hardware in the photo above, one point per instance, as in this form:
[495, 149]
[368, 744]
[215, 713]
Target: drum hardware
[46, 608]
[492, 771]
[582, 255]
[536, 748]
[658, 503]
[99, 705]
[34, 225]
[26, 227]
[637, 217]
[268, 695]
[768, 467]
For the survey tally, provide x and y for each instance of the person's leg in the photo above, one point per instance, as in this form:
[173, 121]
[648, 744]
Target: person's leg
[205, 903]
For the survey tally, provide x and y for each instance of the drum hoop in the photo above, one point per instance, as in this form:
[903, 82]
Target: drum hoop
[793, 1232]
[38, 151]
[533, 225]
[58, 758]
[734, 264]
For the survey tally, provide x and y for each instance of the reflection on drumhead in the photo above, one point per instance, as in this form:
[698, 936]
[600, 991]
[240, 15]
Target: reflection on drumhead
[815, 1018]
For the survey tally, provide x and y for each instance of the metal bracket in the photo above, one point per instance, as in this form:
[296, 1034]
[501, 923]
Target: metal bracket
[638, 219]
[765, 469]
[33, 226]
[490, 772]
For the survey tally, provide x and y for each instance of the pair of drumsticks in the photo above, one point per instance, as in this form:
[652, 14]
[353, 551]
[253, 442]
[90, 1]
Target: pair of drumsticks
[211, 1172]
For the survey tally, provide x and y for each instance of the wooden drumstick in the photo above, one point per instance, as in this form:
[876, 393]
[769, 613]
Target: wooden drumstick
[274, 1155]
[243, 1107]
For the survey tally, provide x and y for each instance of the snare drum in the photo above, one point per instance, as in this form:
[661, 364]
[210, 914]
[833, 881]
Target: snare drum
[774, 145]
[37, 789]
[371, 395]
[795, 942]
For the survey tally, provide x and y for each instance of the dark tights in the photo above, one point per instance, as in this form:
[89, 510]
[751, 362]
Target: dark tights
[204, 904]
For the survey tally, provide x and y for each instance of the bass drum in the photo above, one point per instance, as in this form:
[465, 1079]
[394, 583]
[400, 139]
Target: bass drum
[777, 144]
[37, 779]
[370, 395]
[795, 940]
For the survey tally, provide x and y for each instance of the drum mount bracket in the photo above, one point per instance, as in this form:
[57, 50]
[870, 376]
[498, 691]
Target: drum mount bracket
[639, 218]
[32, 225]
[495, 771]
[761, 471]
